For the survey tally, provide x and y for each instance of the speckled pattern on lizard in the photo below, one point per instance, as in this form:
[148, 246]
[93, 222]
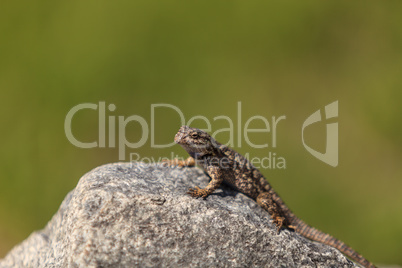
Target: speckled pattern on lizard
[224, 164]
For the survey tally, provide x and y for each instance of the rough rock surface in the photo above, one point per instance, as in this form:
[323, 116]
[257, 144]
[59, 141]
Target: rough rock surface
[136, 214]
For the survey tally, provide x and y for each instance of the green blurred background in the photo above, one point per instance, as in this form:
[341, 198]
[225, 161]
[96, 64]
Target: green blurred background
[278, 58]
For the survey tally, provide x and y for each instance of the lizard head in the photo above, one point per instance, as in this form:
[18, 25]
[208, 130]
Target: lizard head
[196, 142]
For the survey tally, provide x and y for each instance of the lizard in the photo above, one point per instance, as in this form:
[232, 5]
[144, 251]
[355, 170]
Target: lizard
[225, 165]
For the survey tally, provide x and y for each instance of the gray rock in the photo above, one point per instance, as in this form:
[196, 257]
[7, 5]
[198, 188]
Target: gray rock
[136, 214]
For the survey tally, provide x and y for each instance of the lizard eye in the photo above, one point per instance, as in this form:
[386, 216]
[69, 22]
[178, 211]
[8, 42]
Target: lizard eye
[194, 135]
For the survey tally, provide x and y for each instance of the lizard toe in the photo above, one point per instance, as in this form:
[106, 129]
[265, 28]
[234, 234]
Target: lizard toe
[197, 192]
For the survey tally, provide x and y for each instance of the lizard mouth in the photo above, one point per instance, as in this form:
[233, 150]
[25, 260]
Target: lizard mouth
[181, 134]
[179, 138]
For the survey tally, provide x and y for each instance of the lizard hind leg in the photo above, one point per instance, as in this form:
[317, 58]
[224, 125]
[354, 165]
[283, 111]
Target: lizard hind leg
[266, 201]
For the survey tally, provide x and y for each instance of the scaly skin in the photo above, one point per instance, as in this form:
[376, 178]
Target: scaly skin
[223, 164]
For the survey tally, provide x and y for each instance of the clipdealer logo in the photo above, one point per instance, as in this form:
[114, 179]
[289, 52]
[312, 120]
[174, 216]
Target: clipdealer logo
[330, 156]
[238, 130]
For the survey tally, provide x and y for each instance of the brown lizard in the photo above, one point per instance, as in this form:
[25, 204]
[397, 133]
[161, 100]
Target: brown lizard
[223, 164]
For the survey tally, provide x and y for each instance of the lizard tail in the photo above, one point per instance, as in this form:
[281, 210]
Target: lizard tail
[316, 235]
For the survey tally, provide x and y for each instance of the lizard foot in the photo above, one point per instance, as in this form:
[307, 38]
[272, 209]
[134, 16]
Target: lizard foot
[189, 162]
[279, 222]
[197, 192]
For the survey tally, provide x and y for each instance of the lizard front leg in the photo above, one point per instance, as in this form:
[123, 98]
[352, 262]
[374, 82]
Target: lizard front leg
[216, 179]
[189, 162]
